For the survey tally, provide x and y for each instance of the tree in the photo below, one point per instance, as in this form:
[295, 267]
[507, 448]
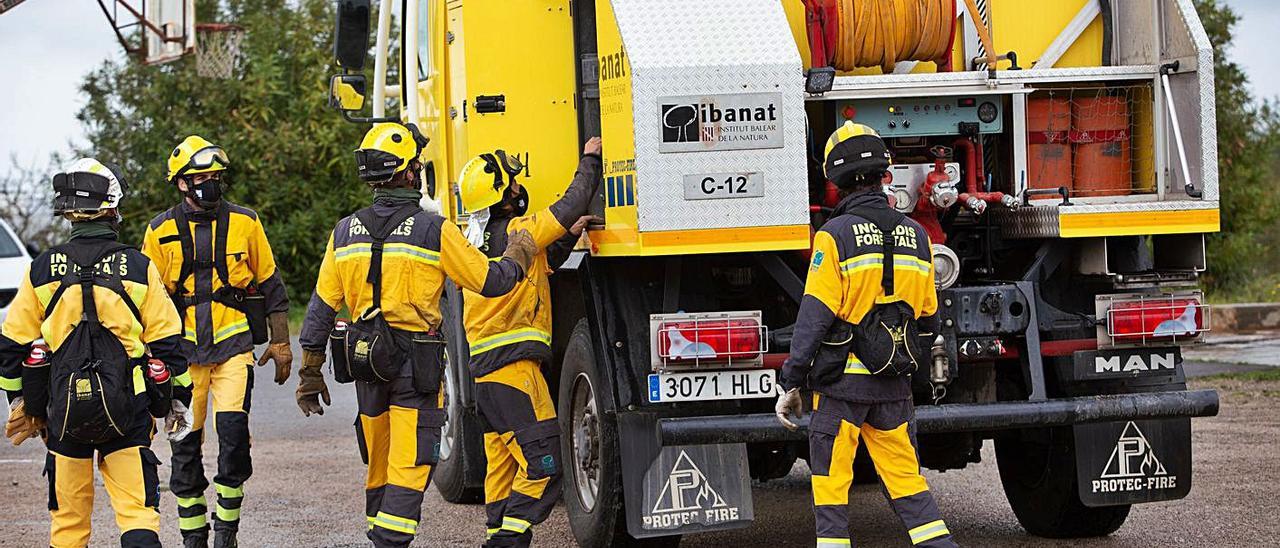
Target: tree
[26, 202]
[291, 156]
[1248, 144]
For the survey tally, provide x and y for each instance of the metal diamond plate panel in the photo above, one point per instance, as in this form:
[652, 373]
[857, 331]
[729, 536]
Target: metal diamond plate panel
[718, 50]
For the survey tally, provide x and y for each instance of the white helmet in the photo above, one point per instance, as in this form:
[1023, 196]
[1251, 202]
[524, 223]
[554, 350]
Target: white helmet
[87, 189]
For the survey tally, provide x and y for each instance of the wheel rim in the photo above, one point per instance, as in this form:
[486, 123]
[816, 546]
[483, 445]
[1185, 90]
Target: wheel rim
[447, 435]
[586, 442]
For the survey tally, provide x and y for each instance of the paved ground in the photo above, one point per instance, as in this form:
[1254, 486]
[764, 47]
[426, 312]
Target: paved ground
[307, 490]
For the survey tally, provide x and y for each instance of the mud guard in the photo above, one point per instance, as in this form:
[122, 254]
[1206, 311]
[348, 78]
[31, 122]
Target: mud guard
[1131, 462]
[681, 489]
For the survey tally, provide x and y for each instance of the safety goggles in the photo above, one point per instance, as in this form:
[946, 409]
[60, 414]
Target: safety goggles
[205, 158]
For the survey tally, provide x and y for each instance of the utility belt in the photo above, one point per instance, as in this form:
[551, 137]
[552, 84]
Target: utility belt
[377, 356]
[248, 301]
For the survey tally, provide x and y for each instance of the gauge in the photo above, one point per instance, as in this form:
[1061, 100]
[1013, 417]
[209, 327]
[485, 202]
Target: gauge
[987, 112]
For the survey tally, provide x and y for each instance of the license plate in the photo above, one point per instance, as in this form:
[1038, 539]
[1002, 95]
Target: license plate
[710, 186]
[712, 385]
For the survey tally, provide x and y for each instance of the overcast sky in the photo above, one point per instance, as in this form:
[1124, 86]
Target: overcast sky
[47, 46]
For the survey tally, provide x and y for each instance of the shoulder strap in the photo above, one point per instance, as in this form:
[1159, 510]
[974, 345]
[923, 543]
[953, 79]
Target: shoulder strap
[188, 247]
[86, 259]
[379, 229]
[220, 243]
[886, 220]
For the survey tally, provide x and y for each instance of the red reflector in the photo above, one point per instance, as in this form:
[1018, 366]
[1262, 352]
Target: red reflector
[709, 340]
[1165, 319]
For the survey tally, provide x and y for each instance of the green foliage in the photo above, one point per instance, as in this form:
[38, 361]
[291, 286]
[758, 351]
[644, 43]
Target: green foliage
[1243, 258]
[291, 155]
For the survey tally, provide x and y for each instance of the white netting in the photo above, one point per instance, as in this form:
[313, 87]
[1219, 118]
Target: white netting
[218, 50]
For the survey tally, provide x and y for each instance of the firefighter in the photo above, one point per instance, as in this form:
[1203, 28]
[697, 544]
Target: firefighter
[845, 282]
[90, 400]
[510, 338]
[216, 262]
[387, 265]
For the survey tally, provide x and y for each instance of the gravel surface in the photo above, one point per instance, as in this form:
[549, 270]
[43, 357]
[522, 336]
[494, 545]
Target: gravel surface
[308, 490]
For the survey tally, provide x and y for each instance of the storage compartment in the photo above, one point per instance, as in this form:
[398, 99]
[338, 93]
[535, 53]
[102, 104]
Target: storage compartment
[1049, 159]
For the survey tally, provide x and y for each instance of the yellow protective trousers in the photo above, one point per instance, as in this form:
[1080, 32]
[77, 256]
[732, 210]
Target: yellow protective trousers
[229, 385]
[128, 470]
[522, 444]
[398, 432]
[887, 430]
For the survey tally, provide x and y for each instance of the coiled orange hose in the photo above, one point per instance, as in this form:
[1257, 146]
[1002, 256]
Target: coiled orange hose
[885, 32]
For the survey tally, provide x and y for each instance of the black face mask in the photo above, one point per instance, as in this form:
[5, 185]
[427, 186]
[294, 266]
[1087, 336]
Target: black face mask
[206, 194]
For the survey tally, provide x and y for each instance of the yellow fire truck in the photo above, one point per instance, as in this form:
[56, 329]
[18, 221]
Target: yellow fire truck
[1062, 158]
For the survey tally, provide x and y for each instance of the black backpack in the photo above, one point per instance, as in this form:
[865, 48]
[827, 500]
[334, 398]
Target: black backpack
[90, 375]
[371, 348]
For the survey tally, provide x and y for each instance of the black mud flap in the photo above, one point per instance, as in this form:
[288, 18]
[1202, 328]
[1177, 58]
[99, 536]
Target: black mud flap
[1130, 462]
[681, 489]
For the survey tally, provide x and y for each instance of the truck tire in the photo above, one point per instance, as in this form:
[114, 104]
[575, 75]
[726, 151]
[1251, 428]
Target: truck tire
[1038, 470]
[459, 473]
[593, 494]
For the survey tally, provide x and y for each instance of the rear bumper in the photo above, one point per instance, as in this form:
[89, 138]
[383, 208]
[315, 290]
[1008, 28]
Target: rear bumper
[960, 417]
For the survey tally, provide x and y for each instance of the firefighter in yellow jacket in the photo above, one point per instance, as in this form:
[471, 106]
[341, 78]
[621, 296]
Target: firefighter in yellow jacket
[215, 260]
[387, 265]
[510, 338]
[101, 307]
[846, 280]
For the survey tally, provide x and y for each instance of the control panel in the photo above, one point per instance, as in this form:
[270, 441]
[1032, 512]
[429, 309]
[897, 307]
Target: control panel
[926, 116]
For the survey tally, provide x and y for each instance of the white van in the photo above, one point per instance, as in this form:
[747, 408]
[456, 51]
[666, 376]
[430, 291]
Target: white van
[14, 260]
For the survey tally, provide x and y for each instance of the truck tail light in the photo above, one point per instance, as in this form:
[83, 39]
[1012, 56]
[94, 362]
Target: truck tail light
[1165, 318]
[730, 338]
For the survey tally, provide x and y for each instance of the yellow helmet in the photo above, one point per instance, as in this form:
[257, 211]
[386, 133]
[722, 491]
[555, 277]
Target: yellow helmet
[482, 182]
[387, 149]
[854, 149]
[195, 154]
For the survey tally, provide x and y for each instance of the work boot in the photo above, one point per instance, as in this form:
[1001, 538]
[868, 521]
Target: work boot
[225, 538]
[196, 540]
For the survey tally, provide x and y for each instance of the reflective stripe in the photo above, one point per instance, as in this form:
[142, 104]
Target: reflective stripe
[45, 293]
[510, 337]
[188, 502]
[139, 383]
[11, 384]
[488, 534]
[913, 263]
[189, 335]
[229, 492]
[854, 366]
[192, 523]
[238, 327]
[183, 380]
[869, 260]
[371, 520]
[395, 523]
[417, 253]
[928, 531]
[227, 514]
[515, 524]
[861, 262]
[833, 542]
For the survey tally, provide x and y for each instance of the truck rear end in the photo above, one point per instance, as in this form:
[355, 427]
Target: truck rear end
[1066, 188]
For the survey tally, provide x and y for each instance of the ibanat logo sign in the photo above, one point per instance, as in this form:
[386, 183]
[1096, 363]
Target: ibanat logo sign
[705, 123]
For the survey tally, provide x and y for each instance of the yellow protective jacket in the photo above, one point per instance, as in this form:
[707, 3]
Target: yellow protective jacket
[416, 258]
[214, 332]
[844, 282]
[34, 315]
[517, 326]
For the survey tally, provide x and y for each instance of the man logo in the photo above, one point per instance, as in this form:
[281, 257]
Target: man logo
[680, 123]
[1114, 364]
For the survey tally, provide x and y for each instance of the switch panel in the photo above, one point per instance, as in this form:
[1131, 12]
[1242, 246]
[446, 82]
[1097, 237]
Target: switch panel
[925, 116]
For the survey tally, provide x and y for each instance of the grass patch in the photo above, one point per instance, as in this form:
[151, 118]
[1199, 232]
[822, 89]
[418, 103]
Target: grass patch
[1264, 375]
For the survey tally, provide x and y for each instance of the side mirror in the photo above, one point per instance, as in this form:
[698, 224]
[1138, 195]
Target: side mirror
[346, 92]
[351, 37]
